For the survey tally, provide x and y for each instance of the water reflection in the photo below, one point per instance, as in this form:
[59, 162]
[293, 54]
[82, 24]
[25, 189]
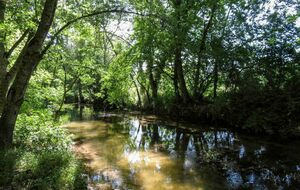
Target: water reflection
[136, 153]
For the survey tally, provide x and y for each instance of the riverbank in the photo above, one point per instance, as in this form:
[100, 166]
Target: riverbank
[250, 123]
[41, 157]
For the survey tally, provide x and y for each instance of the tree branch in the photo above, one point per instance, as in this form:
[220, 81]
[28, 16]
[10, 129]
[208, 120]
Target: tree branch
[17, 43]
[117, 36]
[50, 43]
[206, 30]
[18, 63]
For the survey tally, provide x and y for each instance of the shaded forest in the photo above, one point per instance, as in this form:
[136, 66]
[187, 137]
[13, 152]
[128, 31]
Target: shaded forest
[231, 62]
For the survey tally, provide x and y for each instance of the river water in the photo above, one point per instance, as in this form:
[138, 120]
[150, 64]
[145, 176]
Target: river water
[145, 152]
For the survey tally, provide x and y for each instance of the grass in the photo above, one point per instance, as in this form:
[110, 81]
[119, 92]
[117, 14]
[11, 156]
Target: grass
[42, 157]
[21, 169]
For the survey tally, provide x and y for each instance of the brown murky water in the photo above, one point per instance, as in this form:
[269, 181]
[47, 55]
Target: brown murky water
[139, 152]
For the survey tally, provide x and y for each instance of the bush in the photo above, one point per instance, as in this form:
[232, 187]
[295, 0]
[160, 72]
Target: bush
[37, 133]
[45, 170]
[265, 109]
[42, 157]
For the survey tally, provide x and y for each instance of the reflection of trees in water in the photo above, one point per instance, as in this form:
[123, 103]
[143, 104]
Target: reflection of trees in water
[243, 165]
[256, 169]
[154, 135]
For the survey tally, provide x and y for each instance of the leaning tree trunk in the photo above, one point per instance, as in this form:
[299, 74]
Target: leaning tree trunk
[13, 104]
[139, 103]
[202, 48]
[30, 57]
[3, 59]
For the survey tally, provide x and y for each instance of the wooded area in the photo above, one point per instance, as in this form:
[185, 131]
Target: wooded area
[234, 62]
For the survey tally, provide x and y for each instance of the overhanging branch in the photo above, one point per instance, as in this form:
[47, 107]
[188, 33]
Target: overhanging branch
[50, 43]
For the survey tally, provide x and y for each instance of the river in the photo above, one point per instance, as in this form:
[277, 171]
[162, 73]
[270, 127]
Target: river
[125, 151]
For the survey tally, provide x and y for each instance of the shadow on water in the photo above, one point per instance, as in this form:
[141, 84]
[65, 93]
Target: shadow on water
[139, 152]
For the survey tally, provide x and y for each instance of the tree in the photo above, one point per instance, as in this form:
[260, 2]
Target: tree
[14, 81]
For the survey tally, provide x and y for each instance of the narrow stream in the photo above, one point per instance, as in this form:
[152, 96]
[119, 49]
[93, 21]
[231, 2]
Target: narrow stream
[143, 152]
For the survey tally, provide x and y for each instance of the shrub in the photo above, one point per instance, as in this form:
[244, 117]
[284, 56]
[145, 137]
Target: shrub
[42, 157]
[37, 133]
[45, 170]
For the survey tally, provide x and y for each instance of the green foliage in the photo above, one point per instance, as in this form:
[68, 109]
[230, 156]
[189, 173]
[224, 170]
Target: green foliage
[37, 133]
[44, 170]
[241, 56]
[42, 157]
[41, 94]
[239, 61]
[117, 80]
[265, 110]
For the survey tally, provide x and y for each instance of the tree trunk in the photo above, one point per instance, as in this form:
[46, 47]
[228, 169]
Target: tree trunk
[139, 103]
[13, 104]
[216, 78]
[66, 90]
[153, 83]
[30, 58]
[202, 47]
[3, 59]
[154, 88]
[180, 75]
[178, 69]
[80, 96]
[197, 79]
[176, 88]
[4, 83]
[7, 124]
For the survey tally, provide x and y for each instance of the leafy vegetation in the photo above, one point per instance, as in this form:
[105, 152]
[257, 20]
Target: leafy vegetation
[230, 61]
[42, 157]
[44, 170]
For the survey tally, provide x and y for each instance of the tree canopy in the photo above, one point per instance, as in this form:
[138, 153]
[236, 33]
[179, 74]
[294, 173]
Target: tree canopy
[229, 60]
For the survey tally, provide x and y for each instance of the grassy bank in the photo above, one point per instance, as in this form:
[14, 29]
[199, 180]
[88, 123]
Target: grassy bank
[41, 158]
